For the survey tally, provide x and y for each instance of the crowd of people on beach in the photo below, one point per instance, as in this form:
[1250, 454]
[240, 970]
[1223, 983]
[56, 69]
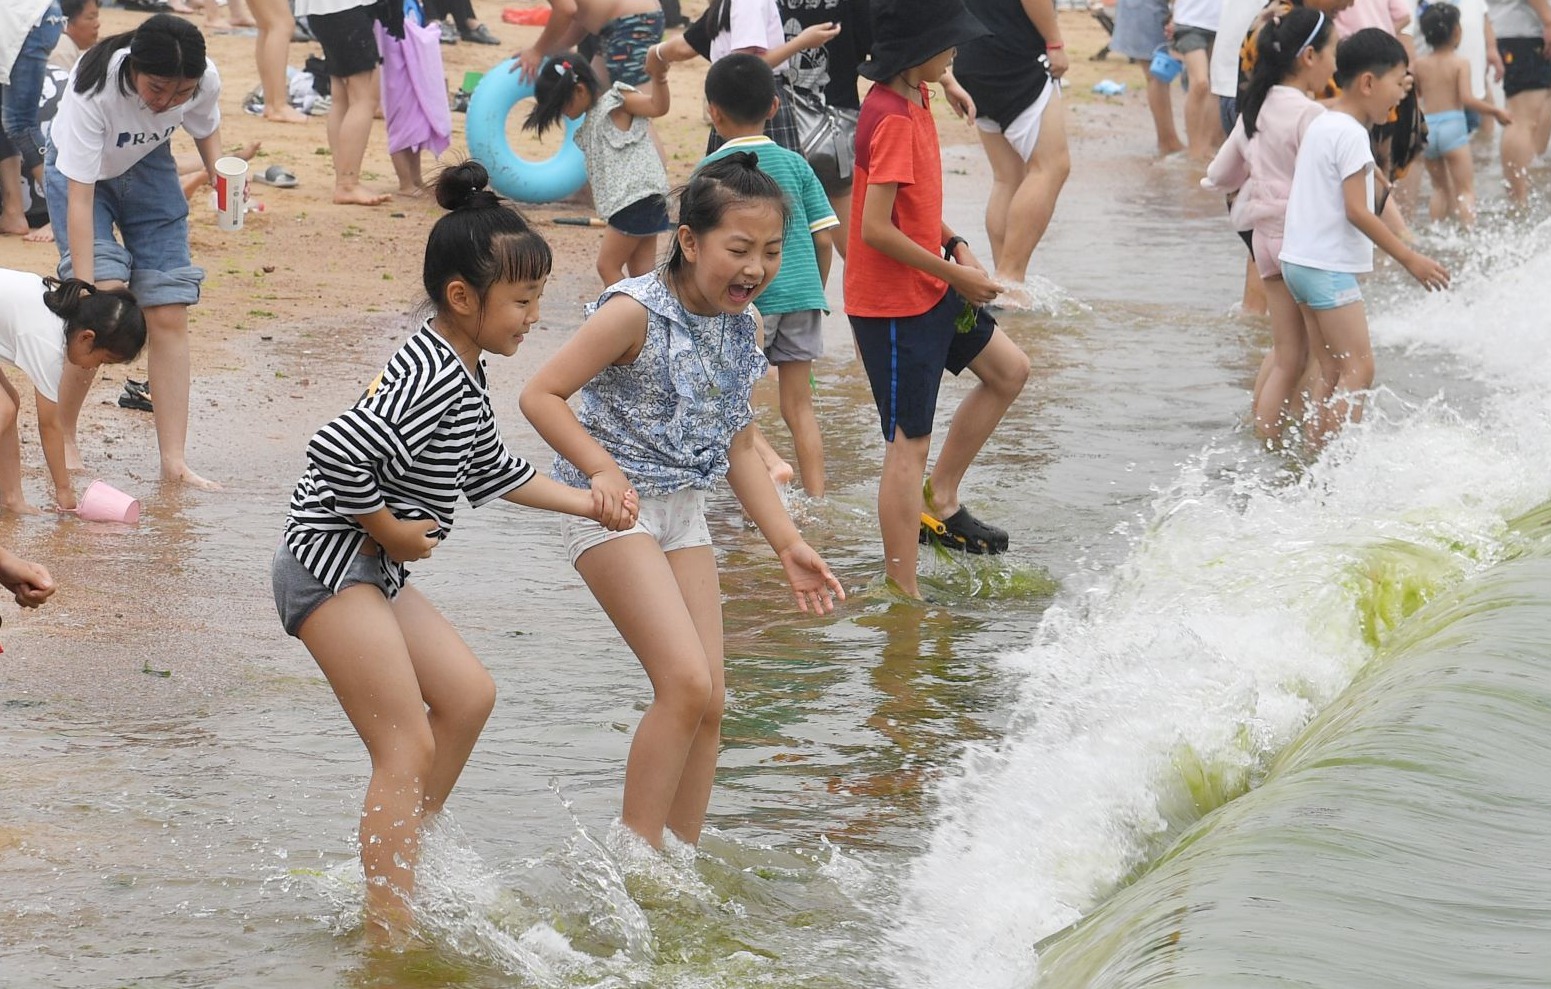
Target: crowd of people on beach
[648, 404]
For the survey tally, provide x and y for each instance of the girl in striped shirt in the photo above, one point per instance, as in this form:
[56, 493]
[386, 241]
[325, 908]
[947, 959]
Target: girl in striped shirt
[381, 484]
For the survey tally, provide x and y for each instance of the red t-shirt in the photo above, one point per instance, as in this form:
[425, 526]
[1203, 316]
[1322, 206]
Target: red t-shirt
[896, 142]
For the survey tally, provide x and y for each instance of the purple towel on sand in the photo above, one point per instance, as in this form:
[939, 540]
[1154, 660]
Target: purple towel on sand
[414, 90]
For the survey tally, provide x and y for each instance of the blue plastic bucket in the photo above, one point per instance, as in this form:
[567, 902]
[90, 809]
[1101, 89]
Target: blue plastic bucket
[1165, 67]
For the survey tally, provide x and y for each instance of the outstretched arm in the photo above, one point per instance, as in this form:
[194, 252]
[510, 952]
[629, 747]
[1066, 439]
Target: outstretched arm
[52, 437]
[1354, 190]
[809, 576]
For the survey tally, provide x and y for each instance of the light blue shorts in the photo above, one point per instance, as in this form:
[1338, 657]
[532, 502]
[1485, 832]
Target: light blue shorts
[1320, 289]
[1447, 130]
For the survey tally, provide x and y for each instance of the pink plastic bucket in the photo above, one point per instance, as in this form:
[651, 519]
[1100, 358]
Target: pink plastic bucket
[102, 502]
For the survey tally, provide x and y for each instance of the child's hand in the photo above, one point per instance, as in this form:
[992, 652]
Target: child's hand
[971, 282]
[1503, 116]
[816, 588]
[29, 582]
[816, 35]
[615, 504]
[408, 540]
[656, 65]
[1433, 276]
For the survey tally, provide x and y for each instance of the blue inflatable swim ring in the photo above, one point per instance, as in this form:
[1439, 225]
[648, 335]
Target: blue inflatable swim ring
[556, 177]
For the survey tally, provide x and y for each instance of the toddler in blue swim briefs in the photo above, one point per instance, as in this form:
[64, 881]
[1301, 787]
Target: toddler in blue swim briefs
[1444, 83]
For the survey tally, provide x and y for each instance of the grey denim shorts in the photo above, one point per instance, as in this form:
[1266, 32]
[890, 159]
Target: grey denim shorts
[298, 593]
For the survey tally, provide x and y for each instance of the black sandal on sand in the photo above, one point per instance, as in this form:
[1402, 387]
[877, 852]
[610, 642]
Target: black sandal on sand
[137, 396]
[962, 531]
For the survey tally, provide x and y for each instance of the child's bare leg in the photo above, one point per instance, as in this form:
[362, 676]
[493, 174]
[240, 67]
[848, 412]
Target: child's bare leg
[780, 471]
[454, 684]
[1348, 364]
[349, 130]
[797, 410]
[406, 165]
[1003, 370]
[1461, 174]
[899, 508]
[1202, 129]
[358, 644]
[1007, 171]
[13, 221]
[1289, 355]
[695, 571]
[614, 252]
[275, 25]
[1035, 185]
[1253, 302]
[168, 368]
[1441, 203]
[644, 258]
[1162, 109]
[638, 589]
[11, 451]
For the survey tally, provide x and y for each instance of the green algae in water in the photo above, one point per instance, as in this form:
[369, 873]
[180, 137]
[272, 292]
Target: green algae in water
[1393, 582]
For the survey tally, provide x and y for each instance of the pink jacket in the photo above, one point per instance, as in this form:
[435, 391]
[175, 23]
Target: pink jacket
[1261, 167]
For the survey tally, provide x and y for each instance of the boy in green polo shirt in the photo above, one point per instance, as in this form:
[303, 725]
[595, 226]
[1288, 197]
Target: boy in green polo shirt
[740, 92]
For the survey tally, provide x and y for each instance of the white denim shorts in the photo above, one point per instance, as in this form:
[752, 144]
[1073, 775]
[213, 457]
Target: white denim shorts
[676, 521]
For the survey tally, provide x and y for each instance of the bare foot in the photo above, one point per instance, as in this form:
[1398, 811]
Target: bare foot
[19, 506]
[42, 235]
[411, 191]
[1013, 295]
[184, 475]
[780, 472]
[286, 114]
[192, 182]
[247, 151]
[218, 26]
[1170, 149]
[360, 197]
[14, 228]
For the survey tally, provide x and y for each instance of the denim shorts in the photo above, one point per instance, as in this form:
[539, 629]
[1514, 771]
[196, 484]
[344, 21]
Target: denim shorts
[146, 204]
[643, 218]
[1192, 39]
[1320, 289]
[19, 109]
[676, 521]
[298, 593]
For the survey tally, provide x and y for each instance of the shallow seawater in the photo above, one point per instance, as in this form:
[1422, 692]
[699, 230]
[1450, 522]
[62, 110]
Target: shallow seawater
[908, 795]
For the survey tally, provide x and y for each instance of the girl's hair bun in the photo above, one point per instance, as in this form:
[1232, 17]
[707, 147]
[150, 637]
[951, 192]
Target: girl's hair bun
[465, 186]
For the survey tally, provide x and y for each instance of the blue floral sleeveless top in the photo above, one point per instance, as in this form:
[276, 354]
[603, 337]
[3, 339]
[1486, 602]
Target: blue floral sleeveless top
[668, 418]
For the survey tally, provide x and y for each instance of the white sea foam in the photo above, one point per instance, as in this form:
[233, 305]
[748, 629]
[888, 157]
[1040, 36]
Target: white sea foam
[1233, 619]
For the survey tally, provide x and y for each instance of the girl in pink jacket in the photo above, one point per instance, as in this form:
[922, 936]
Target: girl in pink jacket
[1296, 57]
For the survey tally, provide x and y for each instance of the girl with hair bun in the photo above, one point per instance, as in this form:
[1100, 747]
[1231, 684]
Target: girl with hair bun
[378, 493]
[109, 167]
[45, 324]
[664, 366]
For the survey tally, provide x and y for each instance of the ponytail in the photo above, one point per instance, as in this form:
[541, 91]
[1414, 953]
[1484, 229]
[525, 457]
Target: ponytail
[163, 45]
[1277, 48]
[552, 90]
[114, 317]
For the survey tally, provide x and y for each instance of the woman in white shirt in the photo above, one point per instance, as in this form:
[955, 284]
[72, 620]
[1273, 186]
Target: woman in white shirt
[109, 167]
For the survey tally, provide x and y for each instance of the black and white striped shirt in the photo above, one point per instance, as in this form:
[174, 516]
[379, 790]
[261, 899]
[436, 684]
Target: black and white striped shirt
[422, 433]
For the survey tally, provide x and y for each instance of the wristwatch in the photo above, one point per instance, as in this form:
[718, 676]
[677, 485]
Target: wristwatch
[952, 245]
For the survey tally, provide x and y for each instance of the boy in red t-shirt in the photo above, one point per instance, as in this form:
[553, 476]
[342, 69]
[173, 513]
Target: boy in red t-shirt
[913, 292]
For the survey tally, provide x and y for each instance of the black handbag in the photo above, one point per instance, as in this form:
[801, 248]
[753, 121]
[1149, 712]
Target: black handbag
[826, 135]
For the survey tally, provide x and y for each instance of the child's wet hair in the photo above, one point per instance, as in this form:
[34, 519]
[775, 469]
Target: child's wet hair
[742, 87]
[1438, 22]
[482, 240]
[726, 183]
[553, 87]
[1277, 48]
[113, 316]
[163, 45]
[1369, 50]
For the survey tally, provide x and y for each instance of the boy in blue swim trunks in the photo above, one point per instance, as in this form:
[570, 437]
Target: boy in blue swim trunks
[1331, 224]
[625, 29]
[1443, 81]
[914, 292]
